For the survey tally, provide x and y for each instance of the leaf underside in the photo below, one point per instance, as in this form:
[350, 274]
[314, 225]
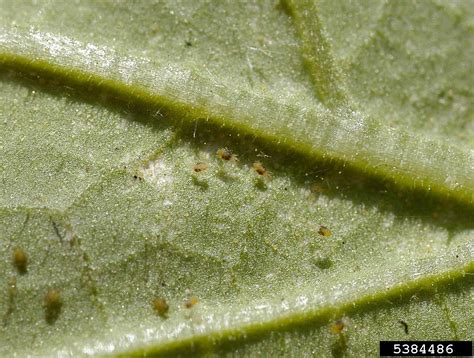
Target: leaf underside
[360, 113]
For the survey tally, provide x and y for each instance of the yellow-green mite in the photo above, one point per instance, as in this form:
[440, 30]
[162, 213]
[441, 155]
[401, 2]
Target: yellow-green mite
[161, 306]
[337, 327]
[52, 305]
[20, 260]
[324, 231]
[193, 301]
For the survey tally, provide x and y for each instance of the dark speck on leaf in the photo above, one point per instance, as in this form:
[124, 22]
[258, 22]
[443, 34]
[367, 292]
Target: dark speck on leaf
[405, 326]
[188, 43]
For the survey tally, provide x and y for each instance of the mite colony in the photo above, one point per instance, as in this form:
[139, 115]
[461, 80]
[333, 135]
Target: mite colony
[52, 302]
[227, 155]
[222, 153]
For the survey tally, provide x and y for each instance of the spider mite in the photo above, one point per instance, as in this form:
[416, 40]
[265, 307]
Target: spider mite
[193, 301]
[52, 304]
[226, 154]
[200, 167]
[324, 231]
[20, 260]
[161, 307]
[260, 169]
[337, 327]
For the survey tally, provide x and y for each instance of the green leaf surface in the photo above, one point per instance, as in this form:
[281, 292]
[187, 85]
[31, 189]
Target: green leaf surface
[361, 113]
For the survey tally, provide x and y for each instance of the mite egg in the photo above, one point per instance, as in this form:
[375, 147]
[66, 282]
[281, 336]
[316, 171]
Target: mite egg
[161, 306]
[259, 168]
[200, 167]
[324, 231]
[191, 302]
[337, 327]
[20, 260]
[52, 305]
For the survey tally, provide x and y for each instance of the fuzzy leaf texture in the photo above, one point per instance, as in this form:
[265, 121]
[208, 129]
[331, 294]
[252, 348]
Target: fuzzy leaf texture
[360, 114]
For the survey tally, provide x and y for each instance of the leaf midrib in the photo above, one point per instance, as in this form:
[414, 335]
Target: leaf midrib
[429, 285]
[142, 100]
